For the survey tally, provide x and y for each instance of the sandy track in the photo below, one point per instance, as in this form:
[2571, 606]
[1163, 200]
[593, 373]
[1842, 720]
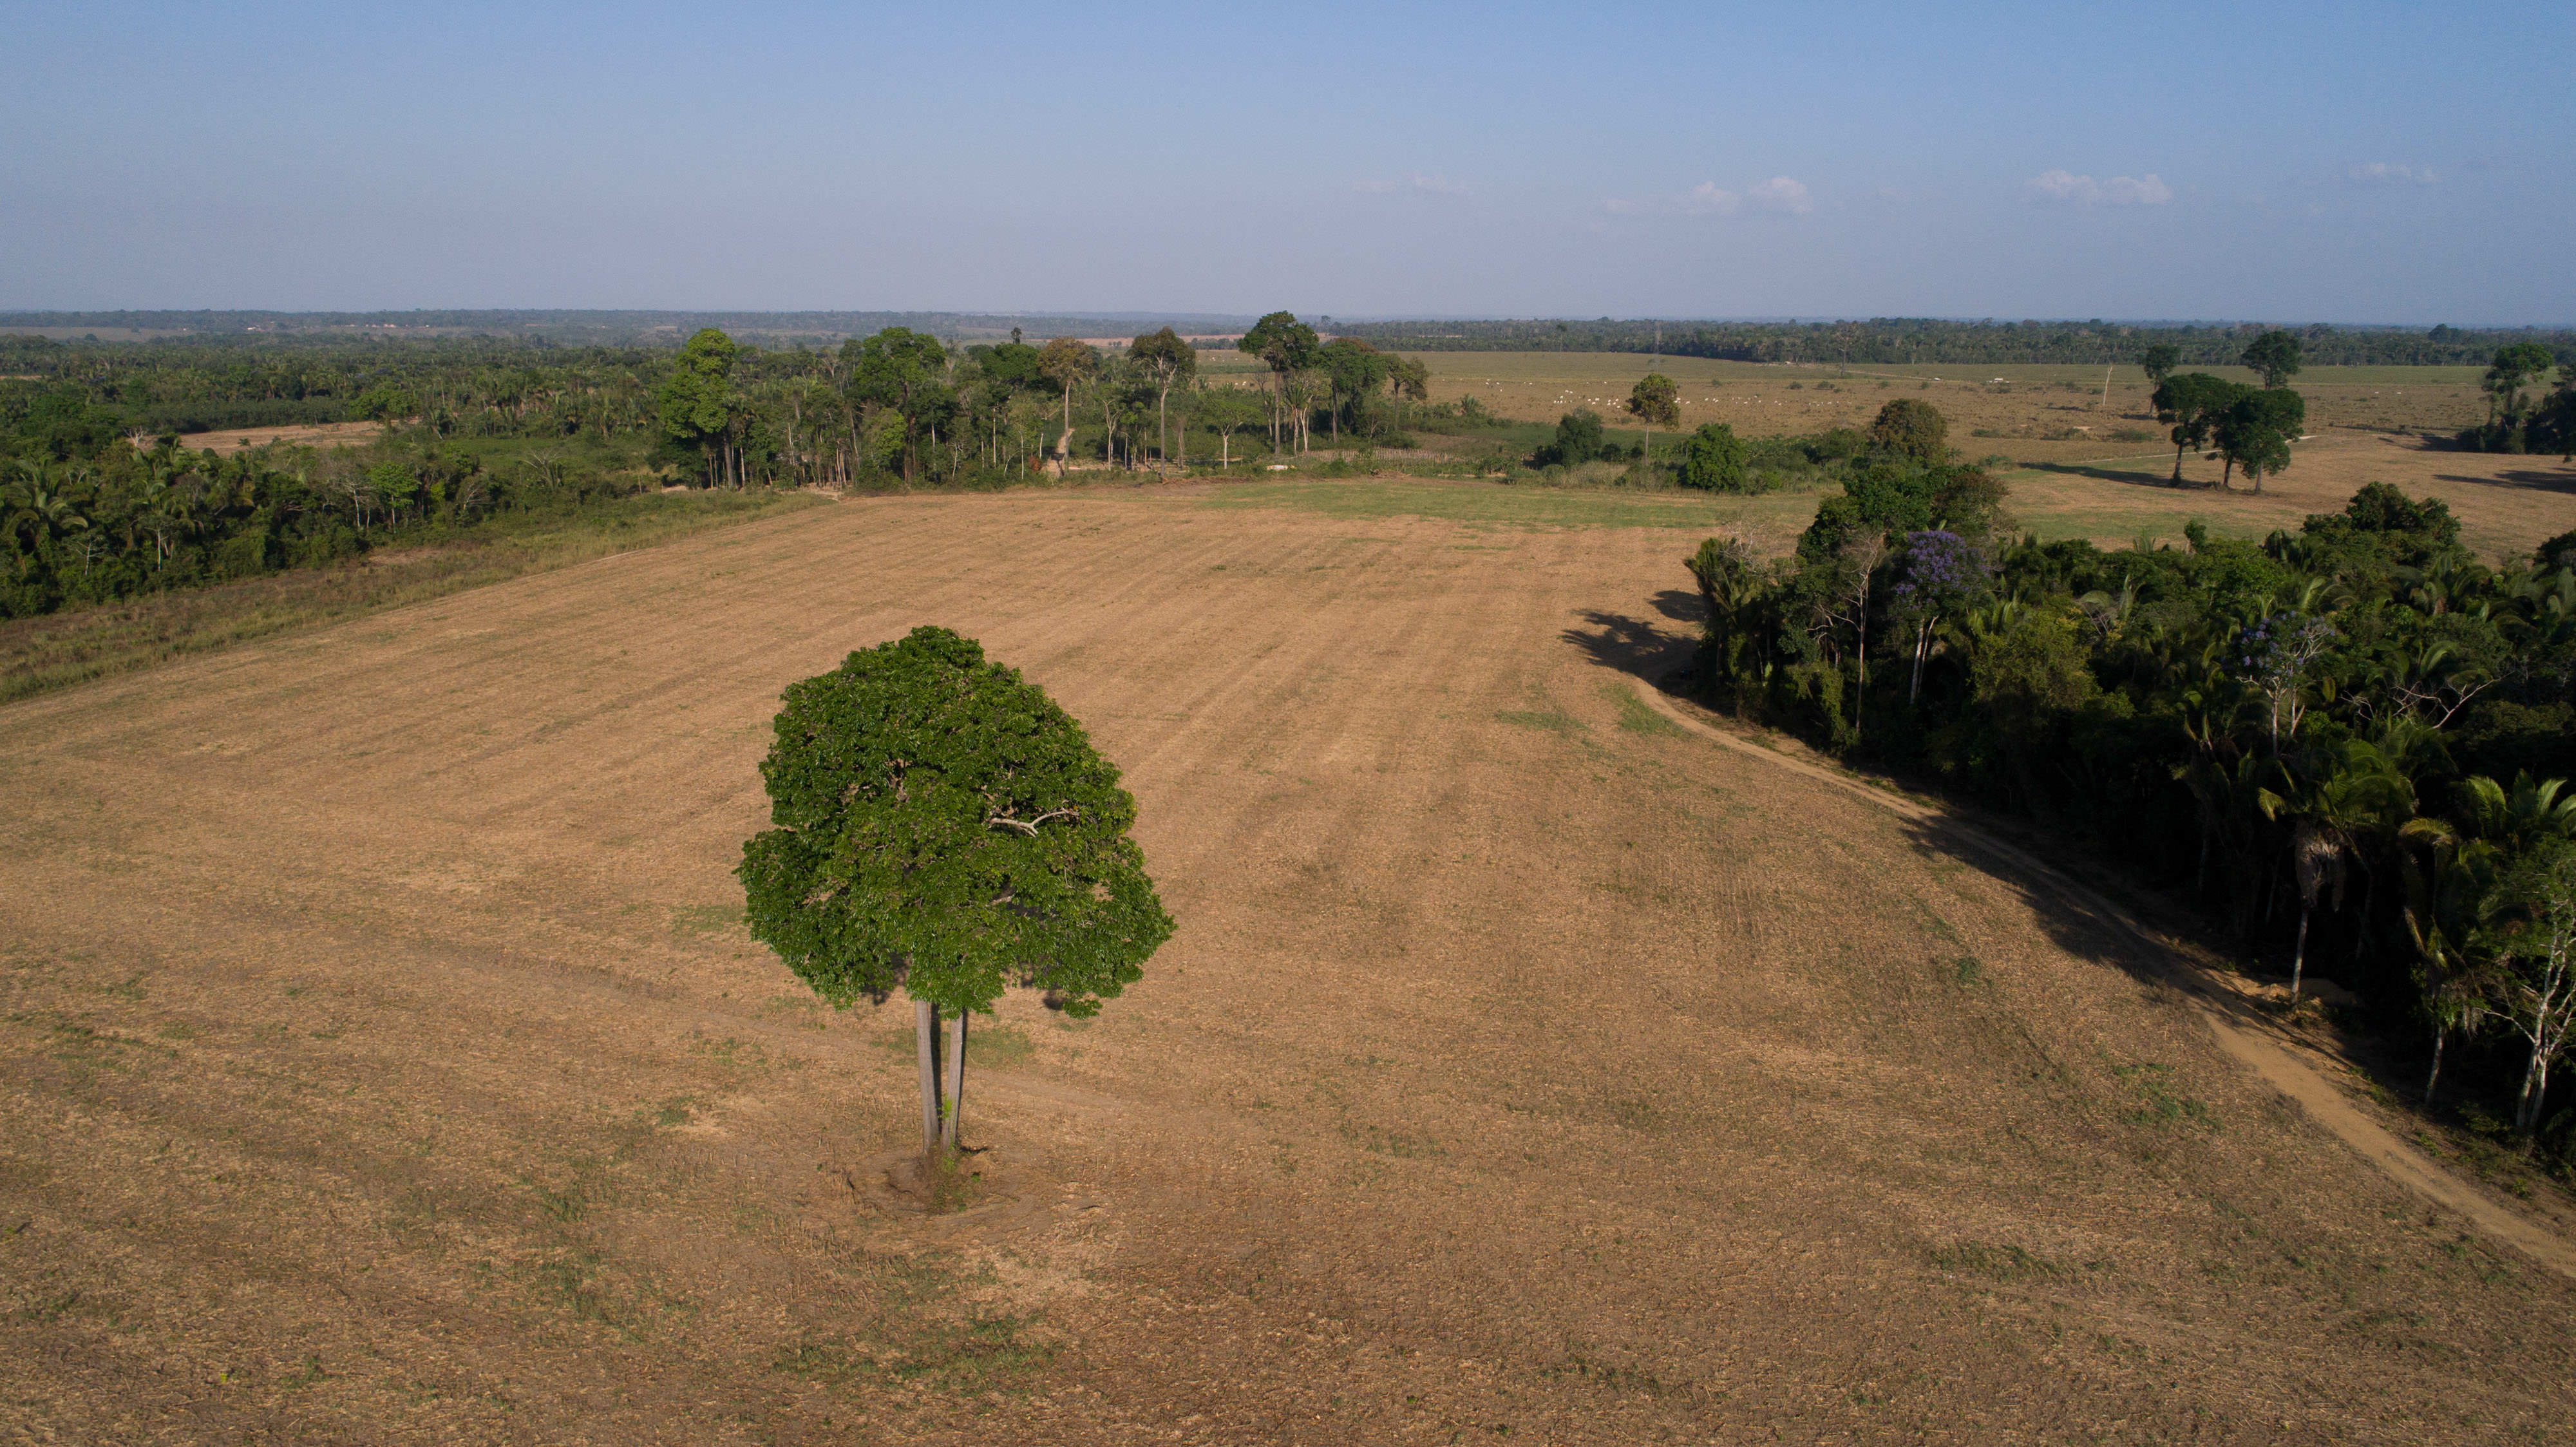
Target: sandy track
[380, 1063]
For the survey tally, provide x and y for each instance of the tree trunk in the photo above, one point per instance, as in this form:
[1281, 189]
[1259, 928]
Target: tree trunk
[925, 1037]
[2535, 1084]
[956, 1080]
[2299, 955]
[2435, 1076]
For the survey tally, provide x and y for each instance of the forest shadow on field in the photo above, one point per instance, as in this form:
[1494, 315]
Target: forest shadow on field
[2521, 478]
[2073, 911]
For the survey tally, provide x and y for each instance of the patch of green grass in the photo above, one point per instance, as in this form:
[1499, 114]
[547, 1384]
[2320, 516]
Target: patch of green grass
[1546, 721]
[695, 921]
[1999, 1263]
[305, 1375]
[992, 1047]
[1524, 505]
[987, 1046]
[923, 1335]
[2163, 1105]
[1635, 715]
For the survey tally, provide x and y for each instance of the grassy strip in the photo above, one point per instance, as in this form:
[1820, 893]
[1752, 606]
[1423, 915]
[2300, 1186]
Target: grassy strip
[1530, 504]
[40, 655]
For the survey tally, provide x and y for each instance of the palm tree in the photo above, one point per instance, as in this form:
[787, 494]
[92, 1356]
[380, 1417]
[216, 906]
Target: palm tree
[2329, 810]
[2458, 980]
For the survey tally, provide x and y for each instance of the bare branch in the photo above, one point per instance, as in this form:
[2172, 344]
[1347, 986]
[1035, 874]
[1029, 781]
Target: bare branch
[1030, 826]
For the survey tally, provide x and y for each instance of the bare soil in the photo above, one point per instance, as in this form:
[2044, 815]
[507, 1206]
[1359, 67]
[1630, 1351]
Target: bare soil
[312, 434]
[382, 1060]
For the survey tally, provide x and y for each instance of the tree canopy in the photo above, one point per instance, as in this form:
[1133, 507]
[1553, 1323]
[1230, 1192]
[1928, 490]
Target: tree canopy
[941, 826]
[1911, 429]
[1713, 458]
[2274, 355]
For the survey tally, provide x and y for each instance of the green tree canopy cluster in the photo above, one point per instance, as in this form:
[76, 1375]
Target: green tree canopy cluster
[2346, 741]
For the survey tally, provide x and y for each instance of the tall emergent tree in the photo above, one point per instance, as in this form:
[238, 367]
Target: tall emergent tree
[694, 403]
[1655, 402]
[1286, 345]
[2159, 361]
[2275, 355]
[945, 828]
[1068, 362]
[2513, 368]
[1168, 360]
[905, 372]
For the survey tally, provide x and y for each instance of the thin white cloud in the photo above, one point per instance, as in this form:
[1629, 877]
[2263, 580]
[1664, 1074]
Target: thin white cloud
[1708, 198]
[2382, 173]
[1418, 181]
[2147, 190]
[1783, 195]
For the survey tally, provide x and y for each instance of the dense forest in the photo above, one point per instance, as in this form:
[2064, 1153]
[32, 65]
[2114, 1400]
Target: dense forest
[102, 498]
[2347, 743]
[1891, 341]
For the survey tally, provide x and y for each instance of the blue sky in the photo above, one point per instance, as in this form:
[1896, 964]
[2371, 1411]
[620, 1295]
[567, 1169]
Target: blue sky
[2352, 163]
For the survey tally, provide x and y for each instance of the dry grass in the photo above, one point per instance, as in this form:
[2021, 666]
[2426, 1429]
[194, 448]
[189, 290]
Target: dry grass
[379, 1058]
[57, 650]
[314, 434]
[2072, 475]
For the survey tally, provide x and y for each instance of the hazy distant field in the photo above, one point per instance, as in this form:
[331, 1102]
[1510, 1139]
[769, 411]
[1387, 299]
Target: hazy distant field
[2077, 467]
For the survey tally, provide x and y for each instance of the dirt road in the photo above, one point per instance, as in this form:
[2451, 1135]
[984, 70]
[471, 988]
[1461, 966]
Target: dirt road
[381, 1059]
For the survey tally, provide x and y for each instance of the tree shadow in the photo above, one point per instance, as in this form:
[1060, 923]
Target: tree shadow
[1638, 647]
[1681, 606]
[2158, 478]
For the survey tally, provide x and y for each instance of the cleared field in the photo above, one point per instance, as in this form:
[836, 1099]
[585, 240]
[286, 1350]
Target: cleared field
[2077, 469]
[2033, 414]
[382, 1059]
[316, 434]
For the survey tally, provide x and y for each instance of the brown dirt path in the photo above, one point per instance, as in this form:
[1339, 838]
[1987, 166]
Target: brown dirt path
[381, 1059]
[2238, 1032]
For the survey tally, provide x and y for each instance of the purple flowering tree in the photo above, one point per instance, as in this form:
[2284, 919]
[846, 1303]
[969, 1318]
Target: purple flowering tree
[1944, 574]
[2275, 655]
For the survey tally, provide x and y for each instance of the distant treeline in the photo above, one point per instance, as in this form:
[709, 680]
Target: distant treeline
[1892, 341]
[606, 328]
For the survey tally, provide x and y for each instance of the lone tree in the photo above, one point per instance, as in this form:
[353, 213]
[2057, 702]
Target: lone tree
[2159, 362]
[944, 827]
[1912, 429]
[1655, 402]
[2275, 354]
